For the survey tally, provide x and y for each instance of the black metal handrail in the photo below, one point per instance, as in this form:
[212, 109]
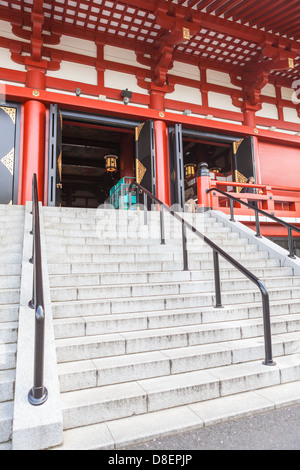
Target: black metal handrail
[290, 227]
[38, 394]
[216, 252]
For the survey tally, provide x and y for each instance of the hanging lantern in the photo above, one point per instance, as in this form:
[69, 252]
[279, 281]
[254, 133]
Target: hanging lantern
[189, 170]
[111, 163]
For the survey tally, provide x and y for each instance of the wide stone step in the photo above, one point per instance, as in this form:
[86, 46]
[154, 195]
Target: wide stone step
[9, 312]
[118, 246]
[9, 281]
[9, 296]
[99, 345]
[7, 381]
[81, 325]
[6, 418]
[158, 303]
[8, 354]
[93, 289]
[8, 332]
[136, 366]
[230, 279]
[102, 404]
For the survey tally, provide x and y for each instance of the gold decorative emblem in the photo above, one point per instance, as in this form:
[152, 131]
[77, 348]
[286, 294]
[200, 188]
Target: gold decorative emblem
[291, 63]
[240, 178]
[236, 145]
[186, 33]
[8, 161]
[11, 113]
[59, 164]
[140, 171]
[36, 93]
[138, 131]
[161, 114]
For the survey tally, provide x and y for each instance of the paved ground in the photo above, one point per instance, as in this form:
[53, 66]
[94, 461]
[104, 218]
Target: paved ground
[274, 430]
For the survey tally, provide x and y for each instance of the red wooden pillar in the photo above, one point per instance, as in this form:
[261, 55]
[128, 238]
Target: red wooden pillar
[157, 99]
[33, 148]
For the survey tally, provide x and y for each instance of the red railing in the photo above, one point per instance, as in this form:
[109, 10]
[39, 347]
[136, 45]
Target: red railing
[278, 200]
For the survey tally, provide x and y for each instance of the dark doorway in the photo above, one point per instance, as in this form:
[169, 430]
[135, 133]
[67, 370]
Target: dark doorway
[86, 182]
[218, 156]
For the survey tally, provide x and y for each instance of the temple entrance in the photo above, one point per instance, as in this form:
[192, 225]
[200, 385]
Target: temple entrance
[229, 158]
[87, 159]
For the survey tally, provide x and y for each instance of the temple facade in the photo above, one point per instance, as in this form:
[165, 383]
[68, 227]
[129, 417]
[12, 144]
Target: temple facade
[95, 91]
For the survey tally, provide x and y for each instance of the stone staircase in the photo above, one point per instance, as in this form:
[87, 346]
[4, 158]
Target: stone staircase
[140, 346]
[11, 244]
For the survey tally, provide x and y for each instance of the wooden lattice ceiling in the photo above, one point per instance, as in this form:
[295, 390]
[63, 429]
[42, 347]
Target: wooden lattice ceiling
[228, 35]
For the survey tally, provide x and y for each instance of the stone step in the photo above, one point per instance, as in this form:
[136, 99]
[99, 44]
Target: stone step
[235, 250]
[81, 325]
[6, 418]
[281, 278]
[7, 380]
[66, 264]
[103, 404]
[93, 345]
[69, 291]
[10, 269]
[155, 303]
[8, 354]
[9, 281]
[8, 332]
[133, 430]
[9, 313]
[89, 373]
[9, 296]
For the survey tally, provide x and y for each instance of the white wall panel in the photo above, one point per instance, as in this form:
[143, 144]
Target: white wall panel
[268, 111]
[185, 94]
[181, 69]
[290, 115]
[7, 63]
[121, 81]
[216, 100]
[76, 72]
[122, 56]
[219, 78]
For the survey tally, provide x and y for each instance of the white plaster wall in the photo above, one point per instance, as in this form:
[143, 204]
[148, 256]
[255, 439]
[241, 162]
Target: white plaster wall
[185, 94]
[7, 63]
[77, 46]
[268, 111]
[121, 81]
[290, 115]
[216, 100]
[75, 72]
[122, 56]
[269, 90]
[181, 69]
[287, 93]
[219, 78]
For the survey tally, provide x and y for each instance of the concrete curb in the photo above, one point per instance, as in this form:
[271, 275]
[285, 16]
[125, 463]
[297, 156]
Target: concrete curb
[35, 427]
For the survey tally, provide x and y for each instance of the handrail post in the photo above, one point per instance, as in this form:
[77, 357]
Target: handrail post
[291, 244]
[184, 249]
[231, 211]
[38, 394]
[217, 279]
[267, 329]
[162, 226]
[129, 198]
[258, 235]
[145, 209]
